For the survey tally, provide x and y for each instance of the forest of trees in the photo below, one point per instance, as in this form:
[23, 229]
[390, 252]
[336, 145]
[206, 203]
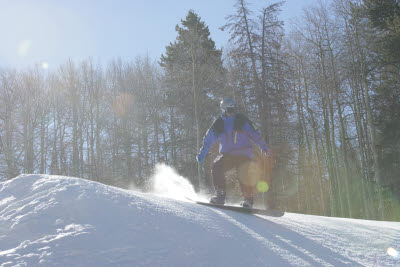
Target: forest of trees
[324, 91]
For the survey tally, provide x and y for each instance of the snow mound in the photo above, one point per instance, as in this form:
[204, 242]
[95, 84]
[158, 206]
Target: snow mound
[64, 221]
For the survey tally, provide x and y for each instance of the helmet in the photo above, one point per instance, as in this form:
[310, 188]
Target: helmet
[228, 105]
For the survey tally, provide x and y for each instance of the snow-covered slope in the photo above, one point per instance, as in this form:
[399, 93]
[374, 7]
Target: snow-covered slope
[63, 221]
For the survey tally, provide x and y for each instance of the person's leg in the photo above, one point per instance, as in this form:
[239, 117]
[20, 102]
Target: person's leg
[218, 173]
[222, 164]
[247, 182]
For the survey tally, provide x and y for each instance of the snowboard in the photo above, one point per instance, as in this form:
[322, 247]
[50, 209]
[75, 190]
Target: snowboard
[267, 212]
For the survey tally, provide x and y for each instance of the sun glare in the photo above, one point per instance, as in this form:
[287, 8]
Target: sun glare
[45, 65]
[392, 252]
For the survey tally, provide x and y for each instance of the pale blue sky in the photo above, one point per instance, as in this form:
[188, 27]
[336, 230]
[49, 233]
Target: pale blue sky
[48, 32]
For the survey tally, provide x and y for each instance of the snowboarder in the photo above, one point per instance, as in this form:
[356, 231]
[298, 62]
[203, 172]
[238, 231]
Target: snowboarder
[234, 131]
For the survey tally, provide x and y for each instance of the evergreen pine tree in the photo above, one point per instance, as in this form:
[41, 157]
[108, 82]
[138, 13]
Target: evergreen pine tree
[194, 74]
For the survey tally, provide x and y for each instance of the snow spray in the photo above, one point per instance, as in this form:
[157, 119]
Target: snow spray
[168, 183]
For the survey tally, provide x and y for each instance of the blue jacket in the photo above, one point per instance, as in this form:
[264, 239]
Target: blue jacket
[234, 136]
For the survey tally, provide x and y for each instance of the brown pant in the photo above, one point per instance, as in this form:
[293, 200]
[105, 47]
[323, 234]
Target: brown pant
[224, 163]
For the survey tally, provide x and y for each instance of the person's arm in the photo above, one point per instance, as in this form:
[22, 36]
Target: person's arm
[255, 136]
[208, 141]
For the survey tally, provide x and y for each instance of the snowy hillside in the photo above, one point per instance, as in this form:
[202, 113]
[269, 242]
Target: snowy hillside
[63, 221]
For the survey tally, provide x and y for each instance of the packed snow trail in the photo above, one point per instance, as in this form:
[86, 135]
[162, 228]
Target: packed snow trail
[63, 221]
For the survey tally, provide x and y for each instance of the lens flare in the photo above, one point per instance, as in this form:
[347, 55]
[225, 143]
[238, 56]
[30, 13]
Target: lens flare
[392, 252]
[45, 65]
[262, 186]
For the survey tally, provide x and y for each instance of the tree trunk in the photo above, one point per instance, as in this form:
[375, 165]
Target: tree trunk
[196, 103]
[316, 143]
[253, 63]
[42, 143]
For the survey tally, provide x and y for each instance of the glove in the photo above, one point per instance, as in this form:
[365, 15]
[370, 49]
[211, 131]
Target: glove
[200, 158]
[265, 151]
